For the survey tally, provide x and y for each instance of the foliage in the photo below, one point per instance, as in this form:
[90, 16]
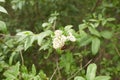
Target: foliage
[76, 35]
[91, 72]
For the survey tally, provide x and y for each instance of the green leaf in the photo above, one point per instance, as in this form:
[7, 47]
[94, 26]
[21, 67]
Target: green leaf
[66, 62]
[11, 57]
[79, 78]
[2, 9]
[29, 41]
[48, 54]
[3, 27]
[93, 20]
[110, 19]
[82, 26]
[102, 78]
[91, 71]
[45, 24]
[45, 45]
[24, 33]
[42, 75]
[24, 69]
[2, 0]
[84, 38]
[104, 22]
[42, 35]
[95, 45]
[68, 28]
[3, 64]
[94, 31]
[106, 34]
[33, 70]
[12, 72]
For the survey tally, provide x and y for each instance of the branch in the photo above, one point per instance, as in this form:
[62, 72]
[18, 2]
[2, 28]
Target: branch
[79, 70]
[96, 5]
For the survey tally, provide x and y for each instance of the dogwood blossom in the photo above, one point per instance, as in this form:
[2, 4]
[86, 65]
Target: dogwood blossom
[71, 37]
[60, 39]
[58, 33]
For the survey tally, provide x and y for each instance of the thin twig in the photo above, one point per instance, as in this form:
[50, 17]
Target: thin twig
[53, 74]
[117, 50]
[54, 24]
[96, 5]
[59, 73]
[79, 70]
[22, 57]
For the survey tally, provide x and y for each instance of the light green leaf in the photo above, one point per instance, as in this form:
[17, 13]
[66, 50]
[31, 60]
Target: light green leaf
[46, 45]
[82, 26]
[110, 19]
[68, 28]
[95, 45]
[3, 27]
[11, 57]
[106, 34]
[12, 72]
[45, 24]
[33, 70]
[84, 38]
[93, 20]
[42, 35]
[94, 31]
[104, 22]
[79, 78]
[2, 9]
[91, 71]
[66, 62]
[42, 75]
[2, 0]
[24, 69]
[24, 33]
[102, 78]
[29, 41]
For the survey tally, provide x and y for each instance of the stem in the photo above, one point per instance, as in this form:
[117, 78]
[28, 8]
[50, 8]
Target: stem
[22, 57]
[117, 50]
[53, 74]
[79, 70]
[96, 5]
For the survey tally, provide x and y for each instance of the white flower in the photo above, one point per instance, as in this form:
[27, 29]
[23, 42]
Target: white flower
[63, 38]
[58, 42]
[71, 37]
[59, 39]
[58, 33]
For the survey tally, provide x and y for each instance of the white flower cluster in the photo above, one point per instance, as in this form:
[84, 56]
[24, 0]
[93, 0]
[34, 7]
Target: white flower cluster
[59, 39]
